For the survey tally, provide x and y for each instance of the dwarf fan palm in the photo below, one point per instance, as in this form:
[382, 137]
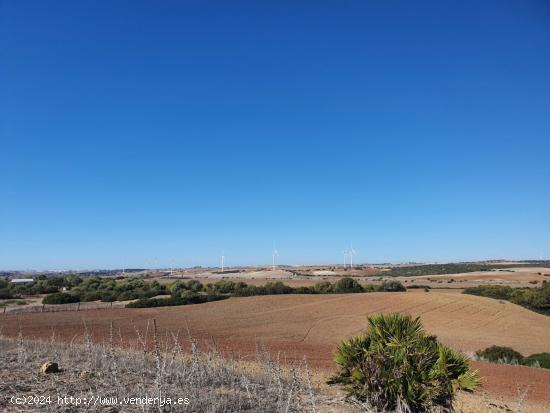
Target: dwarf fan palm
[396, 365]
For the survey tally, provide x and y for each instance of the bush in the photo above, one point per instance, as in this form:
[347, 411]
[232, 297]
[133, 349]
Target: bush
[396, 365]
[347, 285]
[322, 288]
[303, 290]
[392, 286]
[191, 285]
[423, 286]
[60, 298]
[249, 291]
[499, 354]
[225, 287]
[537, 360]
[6, 294]
[278, 288]
[185, 298]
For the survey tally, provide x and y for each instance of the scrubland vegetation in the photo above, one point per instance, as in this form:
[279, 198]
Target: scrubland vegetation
[194, 292]
[451, 268]
[73, 289]
[536, 299]
[507, 355]
[83, 289]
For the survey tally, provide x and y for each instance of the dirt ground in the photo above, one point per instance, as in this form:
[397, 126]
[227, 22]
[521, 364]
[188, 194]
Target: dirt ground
[298, 325]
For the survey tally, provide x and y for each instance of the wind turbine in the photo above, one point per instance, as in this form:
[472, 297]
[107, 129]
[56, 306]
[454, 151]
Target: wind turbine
[222, 258]
[275, 254]
[351, 254]
[345, 256]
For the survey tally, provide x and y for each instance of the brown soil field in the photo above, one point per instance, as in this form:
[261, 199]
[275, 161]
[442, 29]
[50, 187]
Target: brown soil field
[299, 325]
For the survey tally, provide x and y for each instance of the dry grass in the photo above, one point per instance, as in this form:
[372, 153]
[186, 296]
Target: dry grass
[152, 367]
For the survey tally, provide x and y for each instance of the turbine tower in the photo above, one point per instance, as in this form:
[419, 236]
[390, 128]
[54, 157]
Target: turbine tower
[351, 254]
[274, 254]
[345, 252]
[222, 258]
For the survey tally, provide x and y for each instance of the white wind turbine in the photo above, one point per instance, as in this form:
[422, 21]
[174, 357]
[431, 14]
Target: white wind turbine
[274, 254]
[351, 254]
[222, 258]
[345, 252]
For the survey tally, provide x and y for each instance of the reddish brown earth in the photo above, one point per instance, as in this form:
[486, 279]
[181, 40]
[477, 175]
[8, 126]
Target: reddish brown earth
[298, 325]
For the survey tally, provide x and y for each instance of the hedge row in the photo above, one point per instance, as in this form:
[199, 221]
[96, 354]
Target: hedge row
[108, 290]
[194, 292]
[184, 299]
[536, 299]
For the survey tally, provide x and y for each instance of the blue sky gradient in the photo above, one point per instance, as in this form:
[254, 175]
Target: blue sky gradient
[141, 134]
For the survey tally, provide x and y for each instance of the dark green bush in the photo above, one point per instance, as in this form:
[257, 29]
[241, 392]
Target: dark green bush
[499, 292]
[392, 286]
[191, 285]
[185, 298]
[423, 286]
[225, 287]
[323, 287]
[6, 294]
[537, 360]
[507, 355]
[347, 285]
[278, 288]
[499, 354]
[450, 268]
[396, 365]
[303, 290]
[90, 296]
[60, 298]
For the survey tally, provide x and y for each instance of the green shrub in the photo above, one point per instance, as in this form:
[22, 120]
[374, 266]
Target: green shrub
[225, 287]
[347, 285]
[303, 290]
[323, 287]
[186, 298]
[537, 360]
[249, 291]
[277, 288]
[499, 354]
[397, 365]
[450, 268]
[191, 285]
[6, 294]
[392, 286]
[423, 286]
[60, 298]
[90, 296]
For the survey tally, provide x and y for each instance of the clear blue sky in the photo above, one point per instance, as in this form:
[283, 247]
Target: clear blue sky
[160, 133]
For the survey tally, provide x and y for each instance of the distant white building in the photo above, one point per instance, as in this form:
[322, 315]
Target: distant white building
[22, 281]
